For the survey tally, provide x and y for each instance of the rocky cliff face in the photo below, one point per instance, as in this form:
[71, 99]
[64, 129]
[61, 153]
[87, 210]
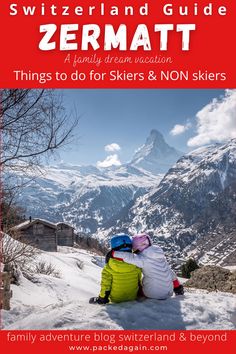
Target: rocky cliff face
[213, 278]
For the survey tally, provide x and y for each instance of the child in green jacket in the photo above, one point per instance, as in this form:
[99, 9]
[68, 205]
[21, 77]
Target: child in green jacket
[120, 281]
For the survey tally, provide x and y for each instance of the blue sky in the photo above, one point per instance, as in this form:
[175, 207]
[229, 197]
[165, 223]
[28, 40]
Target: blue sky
[125, 117]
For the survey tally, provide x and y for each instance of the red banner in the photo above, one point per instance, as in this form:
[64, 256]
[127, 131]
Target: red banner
[128, 44]
[119, 341]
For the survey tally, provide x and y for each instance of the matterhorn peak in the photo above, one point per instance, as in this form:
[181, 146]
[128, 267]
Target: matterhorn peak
[156, 139]
[155, 155]
[155, 134]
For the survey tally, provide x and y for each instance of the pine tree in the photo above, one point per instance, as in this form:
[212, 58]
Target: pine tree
[188, 267]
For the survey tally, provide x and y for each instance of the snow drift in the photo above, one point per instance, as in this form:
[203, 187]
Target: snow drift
[62, 303]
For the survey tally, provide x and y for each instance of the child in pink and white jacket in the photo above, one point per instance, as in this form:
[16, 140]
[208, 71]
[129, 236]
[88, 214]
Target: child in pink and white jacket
[159, 280]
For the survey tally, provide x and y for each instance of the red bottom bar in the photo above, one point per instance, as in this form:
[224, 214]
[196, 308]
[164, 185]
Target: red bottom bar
[139, 341]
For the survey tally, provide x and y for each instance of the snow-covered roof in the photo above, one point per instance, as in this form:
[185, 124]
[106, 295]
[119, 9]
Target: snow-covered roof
[64, 223]
[24, 225]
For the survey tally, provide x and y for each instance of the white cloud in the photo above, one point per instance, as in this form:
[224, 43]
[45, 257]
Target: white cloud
[111, 160]
[180, 129]
[112, 147]
[216, 122]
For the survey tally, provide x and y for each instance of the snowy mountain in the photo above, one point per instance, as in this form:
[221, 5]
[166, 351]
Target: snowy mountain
[92, 198]
[156, 155]
[193, 210]
[85, 196]
[50, 302]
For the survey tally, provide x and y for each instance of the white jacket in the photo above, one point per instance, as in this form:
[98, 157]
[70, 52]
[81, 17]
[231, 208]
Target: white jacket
[158, 277]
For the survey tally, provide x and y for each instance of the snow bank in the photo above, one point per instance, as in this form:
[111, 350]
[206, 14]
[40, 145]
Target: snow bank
[62, 303]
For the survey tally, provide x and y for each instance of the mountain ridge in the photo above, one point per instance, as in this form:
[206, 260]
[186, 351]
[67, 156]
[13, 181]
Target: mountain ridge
[195, 200]
[88, 196]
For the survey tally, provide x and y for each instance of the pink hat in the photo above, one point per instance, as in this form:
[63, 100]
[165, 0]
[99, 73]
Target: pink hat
[140, 242]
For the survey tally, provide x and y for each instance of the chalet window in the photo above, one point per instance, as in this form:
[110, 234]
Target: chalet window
[38, 229]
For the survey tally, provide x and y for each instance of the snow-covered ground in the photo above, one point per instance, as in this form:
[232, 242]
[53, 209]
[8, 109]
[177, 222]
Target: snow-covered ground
[62, 303]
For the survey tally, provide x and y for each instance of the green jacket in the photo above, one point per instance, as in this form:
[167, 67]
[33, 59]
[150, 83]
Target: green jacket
[121, 279]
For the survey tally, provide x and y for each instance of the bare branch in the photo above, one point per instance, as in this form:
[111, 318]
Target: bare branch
[16, 252]
[35, 126]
